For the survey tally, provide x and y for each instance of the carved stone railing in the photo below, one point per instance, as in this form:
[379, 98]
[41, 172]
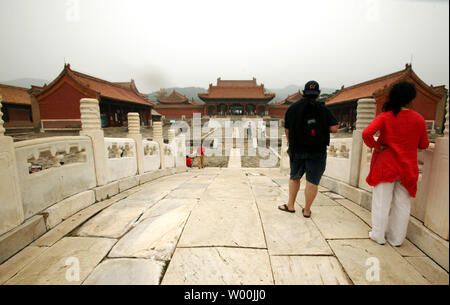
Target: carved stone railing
[152, 159]
[169, 156]
[51, 169]
[338, 159]
[120, 158]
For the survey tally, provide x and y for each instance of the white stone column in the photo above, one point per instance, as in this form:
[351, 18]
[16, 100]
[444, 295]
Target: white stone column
[158, 137]
[171, 135]
[437, 205]
[134, 132]
[365, 114]
[284, 160]
[91, 127]
[11, 208]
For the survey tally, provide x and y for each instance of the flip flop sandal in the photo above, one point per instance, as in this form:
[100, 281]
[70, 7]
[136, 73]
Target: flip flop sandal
[306, 216]
[286, 209]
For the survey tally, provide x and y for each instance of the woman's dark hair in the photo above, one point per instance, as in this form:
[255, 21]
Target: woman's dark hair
[401, 94]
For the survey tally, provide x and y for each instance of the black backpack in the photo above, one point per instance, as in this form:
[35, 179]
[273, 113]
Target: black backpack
[312, 128]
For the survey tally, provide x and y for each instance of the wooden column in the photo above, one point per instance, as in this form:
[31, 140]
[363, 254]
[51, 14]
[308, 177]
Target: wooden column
[109, 115]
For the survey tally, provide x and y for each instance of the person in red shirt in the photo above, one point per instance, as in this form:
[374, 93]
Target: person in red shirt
[393, 169]
[201, 153]
[188, 162]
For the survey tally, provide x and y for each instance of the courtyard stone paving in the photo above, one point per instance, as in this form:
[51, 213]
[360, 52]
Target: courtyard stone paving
[218, 226]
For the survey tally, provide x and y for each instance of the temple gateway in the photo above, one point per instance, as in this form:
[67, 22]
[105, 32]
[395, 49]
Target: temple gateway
[236, 97]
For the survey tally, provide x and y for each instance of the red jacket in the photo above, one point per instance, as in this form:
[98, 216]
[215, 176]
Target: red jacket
[403, 135]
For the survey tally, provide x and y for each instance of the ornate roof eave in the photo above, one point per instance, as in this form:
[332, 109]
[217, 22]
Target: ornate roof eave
[66, 73]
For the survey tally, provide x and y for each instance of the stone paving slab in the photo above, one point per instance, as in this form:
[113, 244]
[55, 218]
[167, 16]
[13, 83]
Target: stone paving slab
[219, 266]
[125, 271]
[68, 225]
[336, 222]
[166, 205]
[290, 234]
[269, 193]
[16, 263]
[408, 249]
[308, 270]
[320, 200]
[154, 238]
[51, 267]
[114, 221]
[192, 192]
[224, 223]
[429, 270]
[358, 210]
[394, 269]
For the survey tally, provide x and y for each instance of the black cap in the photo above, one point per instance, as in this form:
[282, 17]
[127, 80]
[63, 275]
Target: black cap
[311, 88]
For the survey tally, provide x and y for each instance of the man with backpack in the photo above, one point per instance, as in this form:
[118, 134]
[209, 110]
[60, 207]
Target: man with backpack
[307, 124]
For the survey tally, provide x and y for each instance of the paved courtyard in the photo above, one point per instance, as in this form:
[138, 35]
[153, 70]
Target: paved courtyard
[218, 226]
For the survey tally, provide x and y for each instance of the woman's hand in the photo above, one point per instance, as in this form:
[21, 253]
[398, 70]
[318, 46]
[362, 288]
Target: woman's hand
[382, 147]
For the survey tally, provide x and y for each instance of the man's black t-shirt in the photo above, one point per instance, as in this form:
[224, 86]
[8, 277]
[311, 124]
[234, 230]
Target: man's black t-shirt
[292, 114]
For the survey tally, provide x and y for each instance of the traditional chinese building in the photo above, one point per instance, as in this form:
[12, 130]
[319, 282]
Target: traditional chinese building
[278, 110]
[176, 105]
[236, 97]
[343, 104]
[59, 102]
[20, 108]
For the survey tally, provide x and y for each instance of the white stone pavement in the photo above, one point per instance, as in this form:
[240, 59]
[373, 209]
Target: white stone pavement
[219, 226]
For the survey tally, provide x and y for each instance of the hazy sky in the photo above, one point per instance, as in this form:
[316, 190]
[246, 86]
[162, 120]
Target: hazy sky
[191, 43]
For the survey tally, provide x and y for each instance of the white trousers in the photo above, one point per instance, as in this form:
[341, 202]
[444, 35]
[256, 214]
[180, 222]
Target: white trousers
[391, 207]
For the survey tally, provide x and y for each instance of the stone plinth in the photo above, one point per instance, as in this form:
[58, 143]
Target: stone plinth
[91, 127]
[11, 209]
[365, 115]
[135, 134]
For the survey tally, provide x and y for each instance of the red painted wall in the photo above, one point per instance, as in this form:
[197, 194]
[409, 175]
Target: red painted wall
[277, 112]
[19, 114]
[64, 103]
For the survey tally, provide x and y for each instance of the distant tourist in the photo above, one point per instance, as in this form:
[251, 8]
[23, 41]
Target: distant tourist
[307, 124]
[393, 170]
[249, 130]
[201, 156]
[188, 162]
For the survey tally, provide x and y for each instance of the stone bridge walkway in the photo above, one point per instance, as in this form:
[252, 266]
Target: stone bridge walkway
[217, 226]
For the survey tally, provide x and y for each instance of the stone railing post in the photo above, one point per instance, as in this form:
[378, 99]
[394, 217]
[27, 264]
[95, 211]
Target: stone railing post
[91, 127]
[134, 132]
[171, 135]
[11, 208]
[180, 151]
[158, 137]
[437, 204]
[365, 114]
[284, 157]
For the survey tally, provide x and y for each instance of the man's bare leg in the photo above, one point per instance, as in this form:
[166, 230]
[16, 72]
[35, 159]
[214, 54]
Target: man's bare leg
[310, 195]
[294, 186]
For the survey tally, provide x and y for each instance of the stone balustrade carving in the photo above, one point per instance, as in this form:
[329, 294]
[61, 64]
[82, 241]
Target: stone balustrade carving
[133, 123]
[339, 148]
[2, 129]
[446, 122]
[90, 114]
[365, 113]
[46, 158]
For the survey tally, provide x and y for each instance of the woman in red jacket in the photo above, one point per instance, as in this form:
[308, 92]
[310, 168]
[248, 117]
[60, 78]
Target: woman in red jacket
[394, 170]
